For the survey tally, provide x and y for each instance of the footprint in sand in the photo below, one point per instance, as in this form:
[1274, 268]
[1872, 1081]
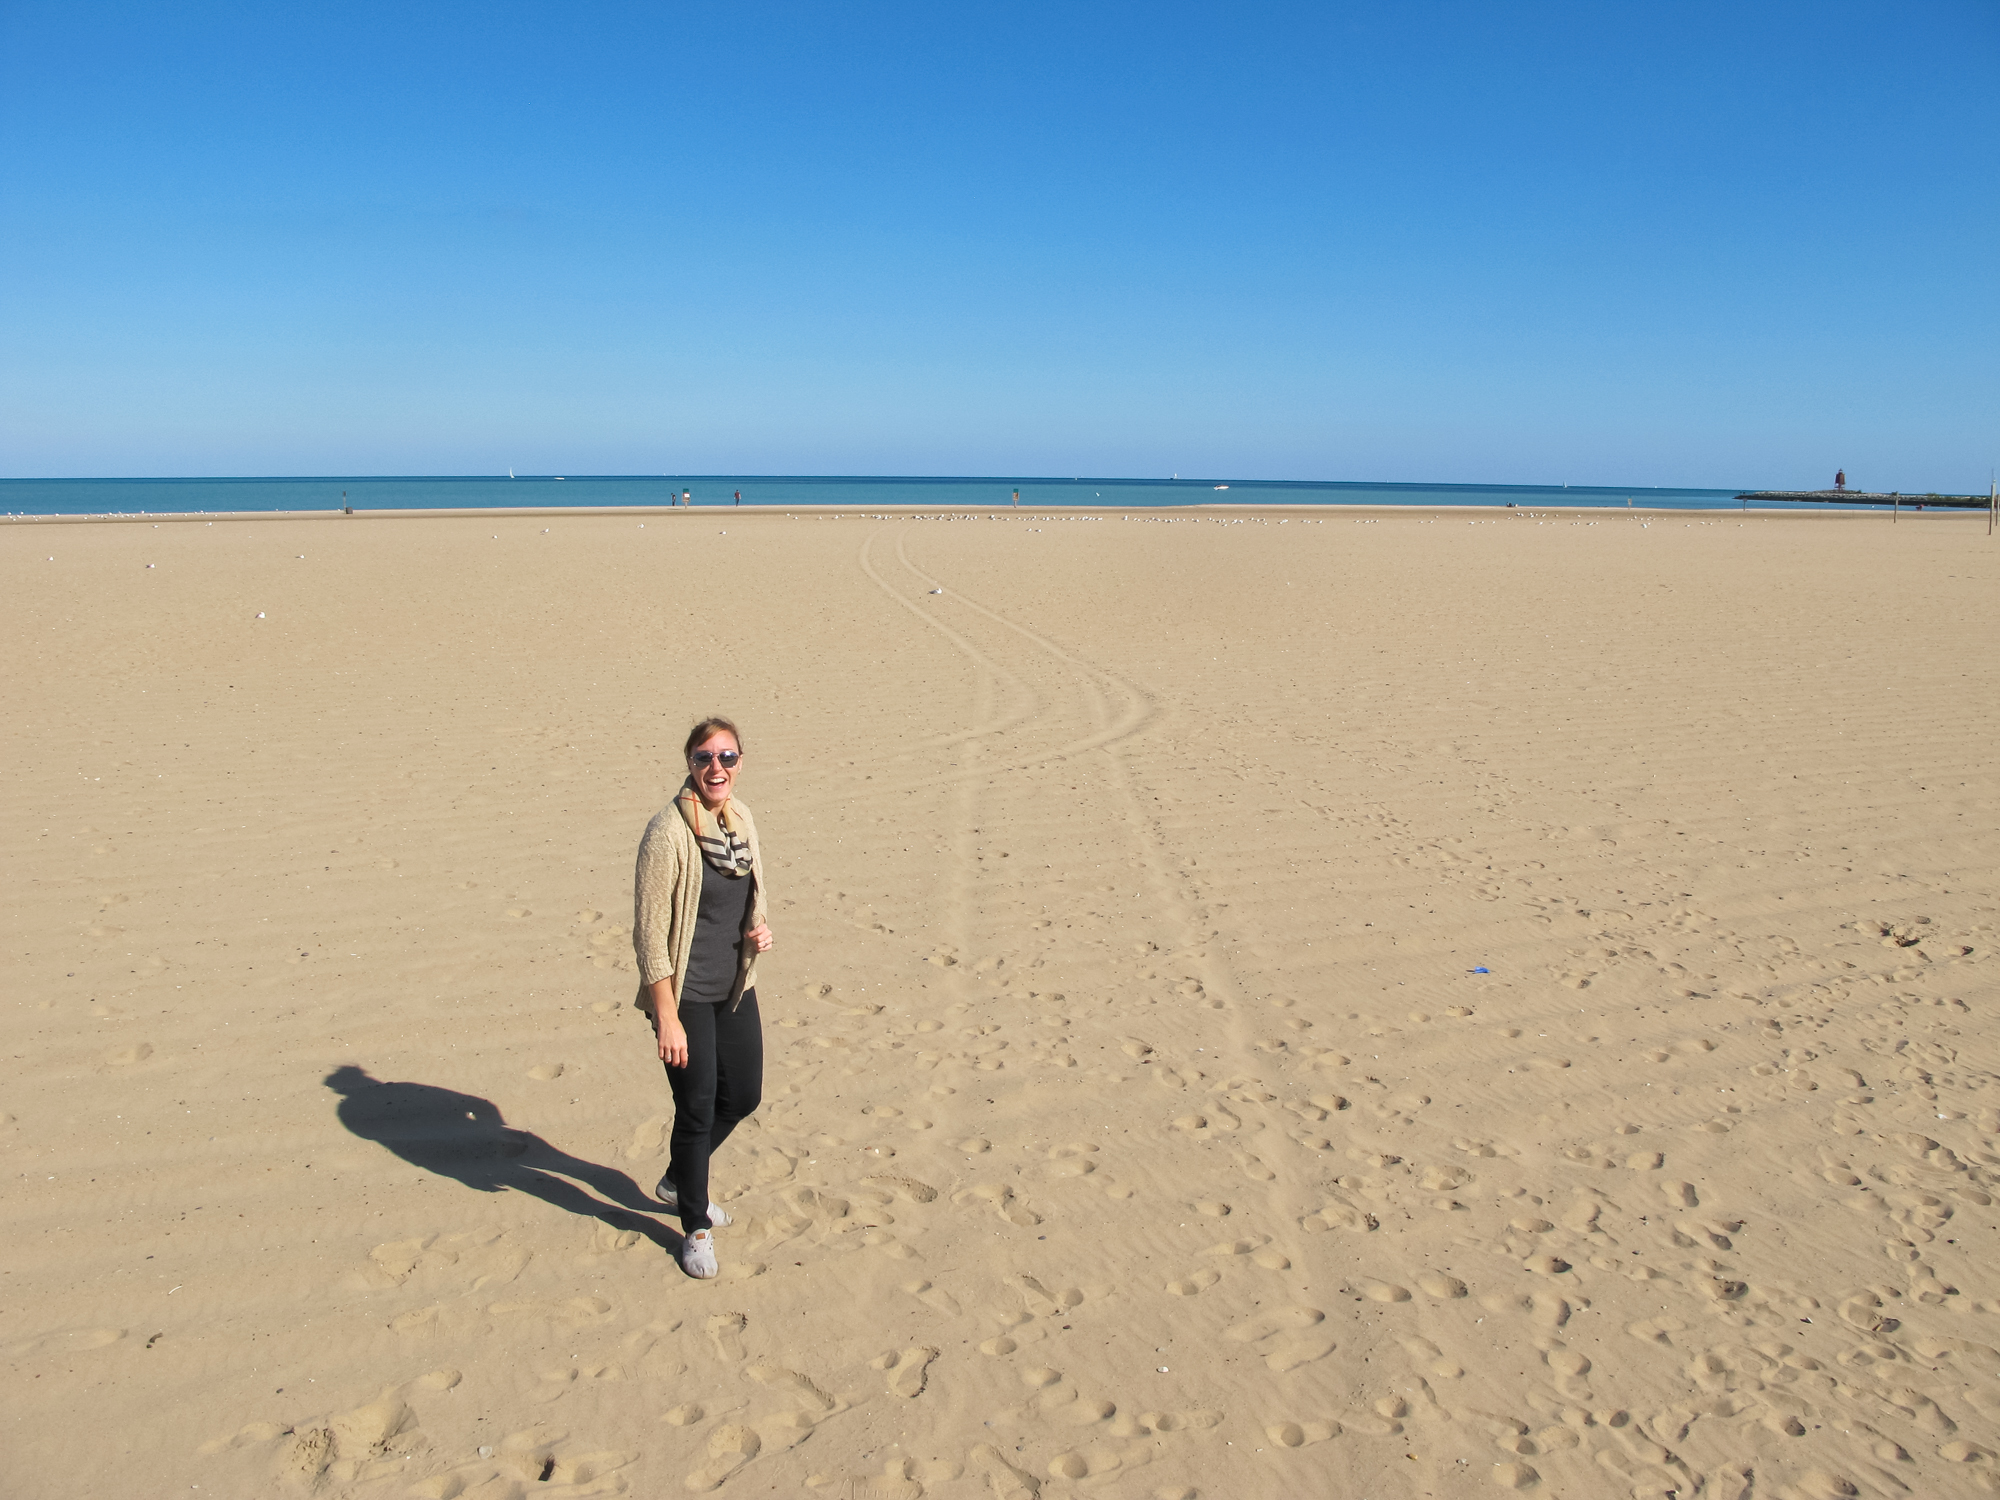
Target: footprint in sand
[1124, 1452]
[1300, 1434]
[908, 1372]
[935, 1298]
[1047, 1389]
[815, 1206]
[591, 1469]
[1042, 1302]
[307, 1455]
[650, 1138]
[1245, 1246]
[125, 1057]
[250, 1433]
[1336, 1215]
[1003, 1200]
[1008, 1482]
[685, 1415]
[1189, 1286]
[1098, 1460]
[575, 1311]
[909, 1189]
[1569, 1368]
[545, 1072]
[1443, 1179]
[725, 1331]
[729, 1449]
[1583, 1215]
[1431, 1357]
[794, 1384]
[1072, 1161]
[1287, 1337]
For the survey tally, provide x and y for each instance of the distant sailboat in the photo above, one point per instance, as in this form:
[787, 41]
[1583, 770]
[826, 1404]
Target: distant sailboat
[510, 471]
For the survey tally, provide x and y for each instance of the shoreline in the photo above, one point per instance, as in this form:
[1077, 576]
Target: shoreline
[1324, 511]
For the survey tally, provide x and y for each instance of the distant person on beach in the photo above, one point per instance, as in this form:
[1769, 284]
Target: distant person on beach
[687, 499]
[1017, 499]
[739, 497]
[698, 926]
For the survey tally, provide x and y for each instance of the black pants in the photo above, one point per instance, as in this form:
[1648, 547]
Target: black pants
[721, 1084]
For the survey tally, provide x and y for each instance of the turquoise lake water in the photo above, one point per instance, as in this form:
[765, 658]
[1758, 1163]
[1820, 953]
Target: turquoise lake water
[85, 497]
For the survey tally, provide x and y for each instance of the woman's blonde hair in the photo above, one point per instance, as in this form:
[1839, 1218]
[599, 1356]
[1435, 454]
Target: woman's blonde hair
[713, 724]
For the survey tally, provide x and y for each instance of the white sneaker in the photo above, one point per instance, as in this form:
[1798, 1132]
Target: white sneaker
[698, 1255]
[717, 1214]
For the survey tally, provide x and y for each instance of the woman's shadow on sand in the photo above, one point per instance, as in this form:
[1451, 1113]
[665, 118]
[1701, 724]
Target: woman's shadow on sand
[464, 1137]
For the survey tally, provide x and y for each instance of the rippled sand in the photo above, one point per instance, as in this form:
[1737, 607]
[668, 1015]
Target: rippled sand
[1277, 1005]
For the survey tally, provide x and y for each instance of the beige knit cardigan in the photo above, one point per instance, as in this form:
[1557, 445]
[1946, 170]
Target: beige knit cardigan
[666, 897]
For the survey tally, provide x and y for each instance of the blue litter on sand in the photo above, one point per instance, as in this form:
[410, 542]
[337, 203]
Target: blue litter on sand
[1479, 971]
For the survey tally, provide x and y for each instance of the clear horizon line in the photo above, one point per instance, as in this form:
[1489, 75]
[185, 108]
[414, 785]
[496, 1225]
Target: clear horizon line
[1000, 479]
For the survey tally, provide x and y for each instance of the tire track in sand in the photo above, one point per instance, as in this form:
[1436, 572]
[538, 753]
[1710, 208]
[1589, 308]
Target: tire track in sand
[1026, 707]
[1219, 1019]
[1137, 707]
[1120, 710]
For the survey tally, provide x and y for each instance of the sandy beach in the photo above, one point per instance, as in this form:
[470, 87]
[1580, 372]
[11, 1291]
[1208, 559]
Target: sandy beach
[1333, 1004]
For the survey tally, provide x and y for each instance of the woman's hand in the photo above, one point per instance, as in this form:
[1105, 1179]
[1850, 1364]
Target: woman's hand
[761, 936]
[667, 1028]
[673, 1040]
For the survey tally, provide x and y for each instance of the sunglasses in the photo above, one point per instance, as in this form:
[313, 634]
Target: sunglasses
[728, 758]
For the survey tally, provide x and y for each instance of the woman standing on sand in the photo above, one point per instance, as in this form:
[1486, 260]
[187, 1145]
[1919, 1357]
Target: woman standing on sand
[697, 928]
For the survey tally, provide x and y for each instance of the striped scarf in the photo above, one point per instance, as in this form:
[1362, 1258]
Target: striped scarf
[721, 840]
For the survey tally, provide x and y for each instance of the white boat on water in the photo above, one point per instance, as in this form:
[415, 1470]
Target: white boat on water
[1222, 486]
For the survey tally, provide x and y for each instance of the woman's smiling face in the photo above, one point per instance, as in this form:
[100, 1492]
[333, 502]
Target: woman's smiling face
[714, 781]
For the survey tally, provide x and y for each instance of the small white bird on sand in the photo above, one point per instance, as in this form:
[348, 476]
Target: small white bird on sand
[937, 591]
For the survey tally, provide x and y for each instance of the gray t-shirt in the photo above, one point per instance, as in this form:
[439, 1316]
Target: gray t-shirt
[718, 937]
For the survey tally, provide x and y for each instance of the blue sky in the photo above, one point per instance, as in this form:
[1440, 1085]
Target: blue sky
[1691, 244]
